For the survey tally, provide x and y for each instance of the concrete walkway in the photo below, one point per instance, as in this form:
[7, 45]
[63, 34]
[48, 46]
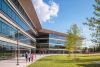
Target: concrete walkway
[22, 62]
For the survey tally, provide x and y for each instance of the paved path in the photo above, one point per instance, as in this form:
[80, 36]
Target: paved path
[22, 62]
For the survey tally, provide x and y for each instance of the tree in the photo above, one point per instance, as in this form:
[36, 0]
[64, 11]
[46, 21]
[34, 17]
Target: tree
[73, 40]
[94, 24]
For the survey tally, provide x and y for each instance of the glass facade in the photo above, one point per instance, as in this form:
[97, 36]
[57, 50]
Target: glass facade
[8, 31]
[7, 50]
[50, 43]
[26, 40]
[22, 12]
[56, 41]
[13, 15]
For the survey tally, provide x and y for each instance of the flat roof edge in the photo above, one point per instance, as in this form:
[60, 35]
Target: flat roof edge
[52, 32]
[30, 10]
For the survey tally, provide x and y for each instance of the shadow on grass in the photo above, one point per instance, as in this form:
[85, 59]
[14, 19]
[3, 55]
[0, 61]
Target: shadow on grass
[88, 55]
[76, 61]
[89, 65]
[80, 60]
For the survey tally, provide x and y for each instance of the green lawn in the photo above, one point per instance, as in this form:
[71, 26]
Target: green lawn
[83, 60]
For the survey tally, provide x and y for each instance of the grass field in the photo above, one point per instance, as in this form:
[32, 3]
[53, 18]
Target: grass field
[83, 60]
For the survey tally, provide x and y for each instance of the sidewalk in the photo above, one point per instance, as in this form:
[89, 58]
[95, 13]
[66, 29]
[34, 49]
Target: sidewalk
[22, 62]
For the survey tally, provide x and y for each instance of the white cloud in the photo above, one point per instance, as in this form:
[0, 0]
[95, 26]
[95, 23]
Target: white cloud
[45, 11]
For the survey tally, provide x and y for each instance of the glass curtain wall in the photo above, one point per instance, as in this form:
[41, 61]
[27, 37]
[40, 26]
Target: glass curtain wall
[56, 42]
[10, 32]
[13, 15]
[8, 50]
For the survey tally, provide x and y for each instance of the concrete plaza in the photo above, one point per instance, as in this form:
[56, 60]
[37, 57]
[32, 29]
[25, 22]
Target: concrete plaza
[22, 62]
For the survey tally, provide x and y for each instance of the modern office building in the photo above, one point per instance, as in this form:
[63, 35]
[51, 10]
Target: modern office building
[21, 30]
[51, 42]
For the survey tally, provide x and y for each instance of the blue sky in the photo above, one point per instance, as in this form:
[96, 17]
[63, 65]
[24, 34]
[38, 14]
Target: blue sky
[64, 14]
[70, 12]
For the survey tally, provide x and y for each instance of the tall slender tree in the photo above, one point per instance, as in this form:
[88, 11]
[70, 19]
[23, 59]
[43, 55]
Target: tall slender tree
[94, 24]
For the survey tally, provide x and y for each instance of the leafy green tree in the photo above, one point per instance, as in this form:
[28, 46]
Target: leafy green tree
[94, 24]
[73, 40]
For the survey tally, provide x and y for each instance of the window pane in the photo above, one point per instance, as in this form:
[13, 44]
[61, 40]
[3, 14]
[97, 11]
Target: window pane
[0, 26]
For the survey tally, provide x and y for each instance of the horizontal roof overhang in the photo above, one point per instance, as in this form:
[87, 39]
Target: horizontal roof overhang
[52, 32]
[30, 11]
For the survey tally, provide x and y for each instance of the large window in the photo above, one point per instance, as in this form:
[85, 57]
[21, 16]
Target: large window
[22, 12]
[56, 41]
[0, 4]
[13, 15]
[56, 36]
[26, 40]
[8, 31]
[0, 26]
[7, 50]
